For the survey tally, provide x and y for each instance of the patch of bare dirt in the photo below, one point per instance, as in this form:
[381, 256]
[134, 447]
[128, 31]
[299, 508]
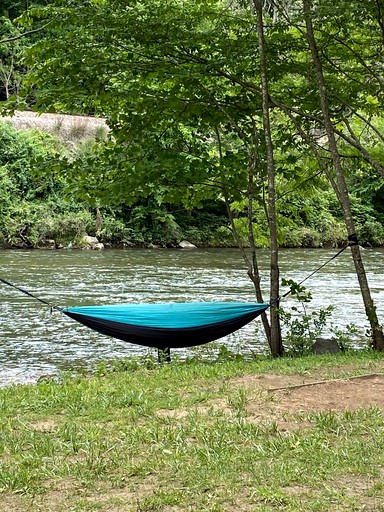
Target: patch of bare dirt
[279, 399]
[269, 381]
[283, 405]
[10, 503]
[220, 406]
[362, 489]
[176, 414]
[123, 499]
[334, 395]
[63, 493]
[44, 425]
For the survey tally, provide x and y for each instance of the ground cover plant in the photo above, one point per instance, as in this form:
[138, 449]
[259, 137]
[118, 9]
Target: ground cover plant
[290, 434]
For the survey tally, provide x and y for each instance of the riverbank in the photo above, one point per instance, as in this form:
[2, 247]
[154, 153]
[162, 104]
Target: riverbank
[291, 434]
[47, 225]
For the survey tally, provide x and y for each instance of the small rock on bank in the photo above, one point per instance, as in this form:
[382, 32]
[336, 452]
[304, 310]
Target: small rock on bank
[186, 245]
[92, 242]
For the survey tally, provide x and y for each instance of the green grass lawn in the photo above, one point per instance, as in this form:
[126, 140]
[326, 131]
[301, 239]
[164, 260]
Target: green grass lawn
[194, 437]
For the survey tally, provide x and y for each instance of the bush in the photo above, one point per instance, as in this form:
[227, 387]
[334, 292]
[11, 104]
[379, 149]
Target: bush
[301, 327]
[114, 230]
[152, 223]
[371, 232]
[29, 224]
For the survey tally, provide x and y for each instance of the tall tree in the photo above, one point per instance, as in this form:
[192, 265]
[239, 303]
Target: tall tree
[339, 182]
[276, 342]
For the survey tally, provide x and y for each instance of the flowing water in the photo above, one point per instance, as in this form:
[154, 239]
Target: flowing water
[35, 342]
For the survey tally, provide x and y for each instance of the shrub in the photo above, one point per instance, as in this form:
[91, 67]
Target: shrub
[301, 327]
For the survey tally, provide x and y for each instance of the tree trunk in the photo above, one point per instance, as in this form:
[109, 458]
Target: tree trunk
[341, 186]
[254, 274]
[276, 344]
[252, 264]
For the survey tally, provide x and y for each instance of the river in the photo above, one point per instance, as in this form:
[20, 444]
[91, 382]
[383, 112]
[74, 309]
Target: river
[35, 341]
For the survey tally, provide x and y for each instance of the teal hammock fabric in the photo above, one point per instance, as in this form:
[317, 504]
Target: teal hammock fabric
[174, 315]
[163, 326]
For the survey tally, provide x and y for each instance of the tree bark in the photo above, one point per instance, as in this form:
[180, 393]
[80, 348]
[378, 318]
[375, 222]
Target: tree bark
[341, 186]
[276, 344]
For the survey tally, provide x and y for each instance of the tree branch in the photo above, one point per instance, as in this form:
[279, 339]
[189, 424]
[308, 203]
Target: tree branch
[15, 38]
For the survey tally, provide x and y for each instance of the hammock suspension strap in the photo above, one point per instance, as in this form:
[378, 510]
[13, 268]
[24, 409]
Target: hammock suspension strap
[352, 240]
[26, 292]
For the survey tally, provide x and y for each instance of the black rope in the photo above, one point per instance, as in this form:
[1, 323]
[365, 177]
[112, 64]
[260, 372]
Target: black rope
[26, 292]
[352, 240]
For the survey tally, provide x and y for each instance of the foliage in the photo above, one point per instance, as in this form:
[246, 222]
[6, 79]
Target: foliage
[301, 326]
[184, 104]
[345, 338]
[32, 208]
[205, 226]
[10, 61]
[153, 223]
[45, 209]
[19, 154]
[28, 224]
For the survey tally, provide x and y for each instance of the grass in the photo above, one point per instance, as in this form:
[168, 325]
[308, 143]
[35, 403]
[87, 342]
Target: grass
[191, 436]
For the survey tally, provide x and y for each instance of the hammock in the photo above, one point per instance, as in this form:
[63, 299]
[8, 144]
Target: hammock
[169, 325]
[162, 326]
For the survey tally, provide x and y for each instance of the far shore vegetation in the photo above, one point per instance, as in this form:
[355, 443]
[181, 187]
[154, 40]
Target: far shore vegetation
[39, 209]
[288, 434]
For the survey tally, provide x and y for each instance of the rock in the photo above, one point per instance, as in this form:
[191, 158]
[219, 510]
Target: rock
[90, 240]
[186, 245]
[125, 245]
[325, 346]
[47, 244]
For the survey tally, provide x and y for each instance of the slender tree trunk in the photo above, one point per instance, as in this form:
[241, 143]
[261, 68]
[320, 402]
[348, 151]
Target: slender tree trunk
[341, 186]
[255, 274]
[276, 344]
[252, 264]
